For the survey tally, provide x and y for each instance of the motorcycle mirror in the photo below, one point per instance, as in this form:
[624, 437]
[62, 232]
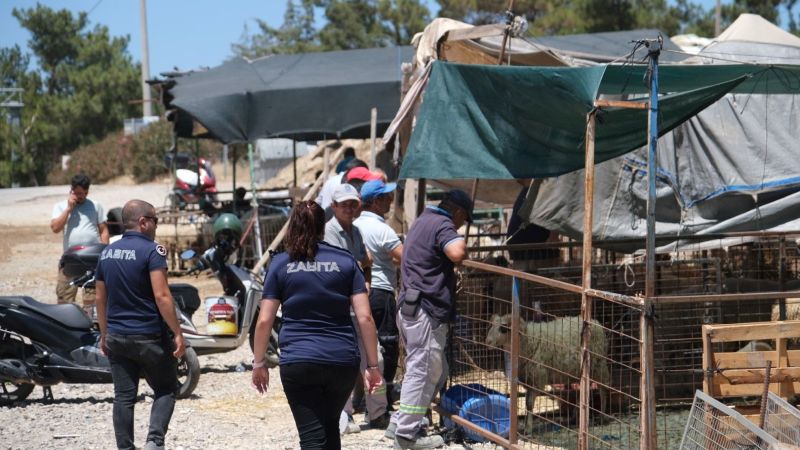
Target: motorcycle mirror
[188, 254]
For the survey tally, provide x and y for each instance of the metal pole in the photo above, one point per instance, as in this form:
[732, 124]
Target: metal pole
[647, 387]
[294, 161]
[147, 104]
[586, 300]
[233, 176]
[513, 385]
[254, 201]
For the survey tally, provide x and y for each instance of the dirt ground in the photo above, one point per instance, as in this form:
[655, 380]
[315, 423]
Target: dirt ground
[29, 254]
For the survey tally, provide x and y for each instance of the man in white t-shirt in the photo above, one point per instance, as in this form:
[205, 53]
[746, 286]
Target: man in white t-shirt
[83, 222]
[386, 250]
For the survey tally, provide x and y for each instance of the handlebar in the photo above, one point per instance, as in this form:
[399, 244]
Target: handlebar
[83, 280]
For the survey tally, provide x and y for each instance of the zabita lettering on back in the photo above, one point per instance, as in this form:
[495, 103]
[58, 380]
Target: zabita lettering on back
[116, 253]
[312, 266]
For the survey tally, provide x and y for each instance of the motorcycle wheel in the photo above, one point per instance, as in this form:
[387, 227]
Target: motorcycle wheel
[14, 392]
[188, 373]
[273, 356]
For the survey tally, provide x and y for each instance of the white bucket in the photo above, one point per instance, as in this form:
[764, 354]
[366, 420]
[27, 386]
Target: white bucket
[222, 313]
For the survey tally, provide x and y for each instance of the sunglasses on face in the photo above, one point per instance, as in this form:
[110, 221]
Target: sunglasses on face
[153, 218]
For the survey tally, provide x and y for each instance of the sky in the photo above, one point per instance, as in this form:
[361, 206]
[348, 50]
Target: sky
[187, 34]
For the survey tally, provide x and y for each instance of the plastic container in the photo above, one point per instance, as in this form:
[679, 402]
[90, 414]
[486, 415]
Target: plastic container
[491, 412]
[480, 405]
[223, 314]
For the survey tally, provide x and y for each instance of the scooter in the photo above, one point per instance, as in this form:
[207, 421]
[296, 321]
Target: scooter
[44, 344]
[194, 183]
[242, 290]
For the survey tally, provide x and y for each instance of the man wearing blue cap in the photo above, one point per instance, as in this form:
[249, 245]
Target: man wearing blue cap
[386, 249]
[426, 309]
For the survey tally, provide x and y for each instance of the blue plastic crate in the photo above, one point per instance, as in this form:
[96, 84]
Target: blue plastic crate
[480, 405]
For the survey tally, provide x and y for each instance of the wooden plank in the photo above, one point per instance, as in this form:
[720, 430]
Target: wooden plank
[465, 54]
[746, 390]
[621, 104]
[752, 331]
[736, 360]
[756, 375]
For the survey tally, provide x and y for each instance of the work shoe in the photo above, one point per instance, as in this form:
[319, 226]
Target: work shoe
[351, 427]
[150, 445]
[382, 422]
[421, 442]
[390, 429]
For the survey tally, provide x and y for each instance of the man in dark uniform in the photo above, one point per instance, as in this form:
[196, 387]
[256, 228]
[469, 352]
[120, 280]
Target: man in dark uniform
[136, 312]
[426, 309]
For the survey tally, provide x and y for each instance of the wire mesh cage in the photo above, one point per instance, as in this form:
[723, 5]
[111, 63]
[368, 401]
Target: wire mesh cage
[782, 420]
[714, 426]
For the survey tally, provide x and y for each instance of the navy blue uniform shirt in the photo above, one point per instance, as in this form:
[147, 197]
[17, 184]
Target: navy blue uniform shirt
[426, 268]
[315, 302]
[125, 268]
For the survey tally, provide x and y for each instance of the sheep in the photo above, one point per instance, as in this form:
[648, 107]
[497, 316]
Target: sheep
[551, 352]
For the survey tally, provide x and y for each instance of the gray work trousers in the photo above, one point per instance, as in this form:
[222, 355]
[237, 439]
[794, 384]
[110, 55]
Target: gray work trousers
[425, 372]
[376, 402]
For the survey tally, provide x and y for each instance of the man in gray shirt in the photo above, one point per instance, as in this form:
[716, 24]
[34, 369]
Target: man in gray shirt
[341, 232]
[83, 222]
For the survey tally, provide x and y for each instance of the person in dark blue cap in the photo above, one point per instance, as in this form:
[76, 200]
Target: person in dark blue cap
[426, 309]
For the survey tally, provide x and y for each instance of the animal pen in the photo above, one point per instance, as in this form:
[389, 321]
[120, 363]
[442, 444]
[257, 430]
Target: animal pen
[596, 348]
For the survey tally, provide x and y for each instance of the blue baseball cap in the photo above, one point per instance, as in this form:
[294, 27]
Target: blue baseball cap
[374, 188]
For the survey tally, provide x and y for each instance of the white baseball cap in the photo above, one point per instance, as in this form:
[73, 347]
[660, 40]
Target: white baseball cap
[344, 192]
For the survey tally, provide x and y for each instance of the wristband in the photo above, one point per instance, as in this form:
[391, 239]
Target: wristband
[261, 363]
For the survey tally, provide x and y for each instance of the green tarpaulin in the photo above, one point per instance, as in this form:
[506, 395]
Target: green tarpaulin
[501, 122]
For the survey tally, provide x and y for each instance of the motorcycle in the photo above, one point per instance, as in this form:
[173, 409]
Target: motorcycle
[44, 344]
[242, 291]
[195, 182]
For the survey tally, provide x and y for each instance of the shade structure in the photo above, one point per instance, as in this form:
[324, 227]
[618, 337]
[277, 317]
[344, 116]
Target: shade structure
[306, 96]
[501, 122]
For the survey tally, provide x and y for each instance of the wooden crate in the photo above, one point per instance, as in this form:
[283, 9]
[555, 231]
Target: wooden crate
[740, 374]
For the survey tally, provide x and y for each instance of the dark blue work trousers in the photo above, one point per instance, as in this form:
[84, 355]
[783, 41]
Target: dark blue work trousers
[150, 355]
[316, 394]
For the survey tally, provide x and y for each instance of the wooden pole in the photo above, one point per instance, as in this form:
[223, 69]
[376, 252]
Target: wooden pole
[506, 34]
[373, 132]
[586, 300]
[647, 385]
[472, 196]
[294, 162]
[312, 192]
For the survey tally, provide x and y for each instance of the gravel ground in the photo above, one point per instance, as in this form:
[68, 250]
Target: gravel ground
[224, 412]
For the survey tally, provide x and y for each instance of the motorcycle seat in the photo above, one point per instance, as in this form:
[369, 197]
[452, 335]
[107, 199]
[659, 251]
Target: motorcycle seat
[69, 314]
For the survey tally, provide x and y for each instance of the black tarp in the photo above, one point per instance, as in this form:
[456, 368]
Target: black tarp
[308, 96]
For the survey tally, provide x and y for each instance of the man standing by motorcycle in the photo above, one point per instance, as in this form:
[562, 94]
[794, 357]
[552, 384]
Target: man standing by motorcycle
[83, 222]
[135, 311]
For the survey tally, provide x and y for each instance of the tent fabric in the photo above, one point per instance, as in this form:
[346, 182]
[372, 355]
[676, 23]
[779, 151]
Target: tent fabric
[754, 28]
[304, 96]
[502, 122]
[732, 167]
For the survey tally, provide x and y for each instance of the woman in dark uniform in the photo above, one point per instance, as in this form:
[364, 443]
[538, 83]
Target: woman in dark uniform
[316, 285]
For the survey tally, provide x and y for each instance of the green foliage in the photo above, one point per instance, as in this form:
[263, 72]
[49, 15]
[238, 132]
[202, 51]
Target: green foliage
[80, 91]
[147, 151]
[349, 24]
[296, 35]
[100, 161]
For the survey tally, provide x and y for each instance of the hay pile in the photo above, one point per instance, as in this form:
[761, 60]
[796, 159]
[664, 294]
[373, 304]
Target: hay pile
[308, 165]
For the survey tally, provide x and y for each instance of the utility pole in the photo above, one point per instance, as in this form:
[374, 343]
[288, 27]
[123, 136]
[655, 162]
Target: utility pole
[717, 17]
[147, 106]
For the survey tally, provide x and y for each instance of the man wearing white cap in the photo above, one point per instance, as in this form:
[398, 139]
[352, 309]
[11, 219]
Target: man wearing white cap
[341, 232]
